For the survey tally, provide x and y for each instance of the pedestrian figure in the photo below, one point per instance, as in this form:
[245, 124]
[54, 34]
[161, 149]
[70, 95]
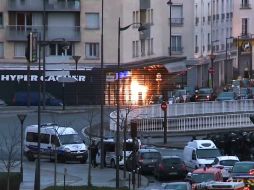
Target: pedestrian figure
[93, 151]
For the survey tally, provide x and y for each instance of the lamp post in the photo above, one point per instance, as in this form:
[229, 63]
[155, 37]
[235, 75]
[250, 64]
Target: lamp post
[141, 28]
[102, 89]
[212, 57]
[170, 26]
[76, 59]
[22, 118]
[226, 60]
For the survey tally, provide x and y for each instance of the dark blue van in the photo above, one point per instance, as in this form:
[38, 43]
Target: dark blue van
[22, 99]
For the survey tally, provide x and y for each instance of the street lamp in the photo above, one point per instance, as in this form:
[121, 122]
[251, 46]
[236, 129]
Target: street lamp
[141, 28]
[170, 34]
[226, 60]
[212, 57]
[22, 118]
[76, 59]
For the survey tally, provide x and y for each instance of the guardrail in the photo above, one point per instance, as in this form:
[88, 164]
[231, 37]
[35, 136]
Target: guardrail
[189, 116]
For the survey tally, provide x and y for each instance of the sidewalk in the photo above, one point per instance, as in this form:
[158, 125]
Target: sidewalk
[76, 175]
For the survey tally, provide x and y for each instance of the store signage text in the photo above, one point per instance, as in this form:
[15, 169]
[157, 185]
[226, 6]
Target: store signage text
[80, 78]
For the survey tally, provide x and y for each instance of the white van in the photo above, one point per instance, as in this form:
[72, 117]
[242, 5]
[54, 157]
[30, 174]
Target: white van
[198, 153]
[64, 141]
[110, 154]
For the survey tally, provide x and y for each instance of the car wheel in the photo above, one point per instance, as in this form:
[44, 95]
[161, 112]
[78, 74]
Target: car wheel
[83, 161]
[61, 159]
[112, 164]
[30, 156]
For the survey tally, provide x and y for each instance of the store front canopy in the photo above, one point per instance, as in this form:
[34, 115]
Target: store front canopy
[175, 67]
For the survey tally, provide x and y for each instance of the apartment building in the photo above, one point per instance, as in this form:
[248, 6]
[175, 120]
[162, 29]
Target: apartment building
[243, 31]
[72, 27]
[210, 28]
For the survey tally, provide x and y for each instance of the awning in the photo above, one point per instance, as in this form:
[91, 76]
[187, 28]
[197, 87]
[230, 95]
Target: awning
[175, 67]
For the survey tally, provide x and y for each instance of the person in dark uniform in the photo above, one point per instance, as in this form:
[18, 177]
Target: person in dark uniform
[93, 150]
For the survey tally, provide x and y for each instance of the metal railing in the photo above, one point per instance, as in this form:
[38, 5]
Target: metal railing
[20, 32]
[190, 116]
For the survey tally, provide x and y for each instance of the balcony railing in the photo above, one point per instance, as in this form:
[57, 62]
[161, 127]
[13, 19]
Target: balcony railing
[20, 32]
[176, 49]
[37, 5]
[145, 34]
[176, 21]
[245, 6]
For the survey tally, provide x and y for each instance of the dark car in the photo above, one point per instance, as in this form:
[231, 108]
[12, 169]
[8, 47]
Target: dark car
[223, 96]
[181, 96]
[245, 93]
[205, 94]
[145, 160]
[170, 167]
[23, 98]
[242, 168]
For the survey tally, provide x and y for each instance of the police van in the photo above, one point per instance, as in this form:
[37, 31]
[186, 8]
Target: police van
[63, 143]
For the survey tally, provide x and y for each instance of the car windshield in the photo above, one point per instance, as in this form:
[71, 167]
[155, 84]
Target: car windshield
[202, 177]
[176, 186]
[171, 161]
[228, 162]
[242, 167]
[150, 155]
[70, 139]
[180, 92]
[208, 153]
[226, 94]
[205, 91]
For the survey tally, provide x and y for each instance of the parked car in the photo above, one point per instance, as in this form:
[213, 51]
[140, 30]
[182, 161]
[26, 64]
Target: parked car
[226, 163]
[145, 160]
[170, 167]
[205, 174]
[223, 96]
[181, 96]
[205, 94]
[2, 103]
[22, 99]
[242, 168]
[177, 185]
[245, 93]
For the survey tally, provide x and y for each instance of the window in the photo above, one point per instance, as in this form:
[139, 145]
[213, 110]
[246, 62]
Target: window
[150, 16]
[1, 19]
[60, 49]
[92, 50]
[135, 49]
[245, 4]
[244, 26]
[177, 14]
[19, 49]
[92, 21]
[143, 48]
[176, 43]
[150, 46]
[1, 49]
[55, 140]
[45, 138]
[135, 19]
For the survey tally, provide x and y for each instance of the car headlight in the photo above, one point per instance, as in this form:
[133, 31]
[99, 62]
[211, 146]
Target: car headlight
[67, 150]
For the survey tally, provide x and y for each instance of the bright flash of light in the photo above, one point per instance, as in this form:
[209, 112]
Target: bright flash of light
[138, 92]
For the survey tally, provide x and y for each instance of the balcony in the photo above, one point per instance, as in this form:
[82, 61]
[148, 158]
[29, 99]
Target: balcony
[20, 32]
[176, 21]
[37, 5]
[176, 50]
[245, 6]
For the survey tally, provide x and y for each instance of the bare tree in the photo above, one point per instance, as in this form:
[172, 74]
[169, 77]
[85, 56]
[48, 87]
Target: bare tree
[10, 144]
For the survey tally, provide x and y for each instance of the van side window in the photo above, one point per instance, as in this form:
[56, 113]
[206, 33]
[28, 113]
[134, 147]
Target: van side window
[55, 140]
[31, 137]
[45, 138]
[193, 155]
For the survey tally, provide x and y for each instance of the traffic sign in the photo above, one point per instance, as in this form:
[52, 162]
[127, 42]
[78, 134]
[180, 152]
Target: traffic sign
[211, 70]
[164, 106]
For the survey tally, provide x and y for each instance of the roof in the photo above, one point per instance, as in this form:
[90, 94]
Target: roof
[51, 129]
[206, 170]
[147, 150]
[228, 158]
